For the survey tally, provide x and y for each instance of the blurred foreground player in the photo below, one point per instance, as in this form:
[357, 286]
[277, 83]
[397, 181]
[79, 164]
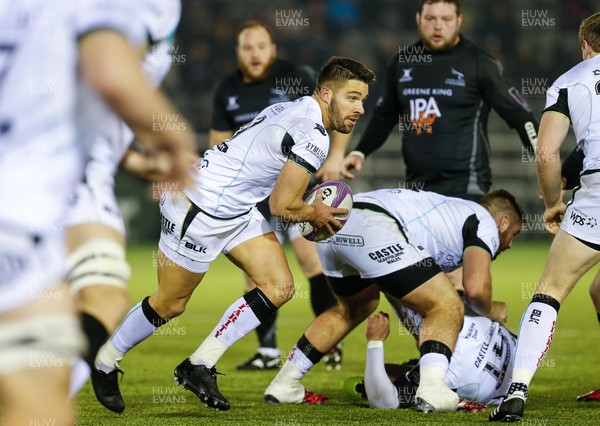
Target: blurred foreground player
[572, 100]
[98, 271]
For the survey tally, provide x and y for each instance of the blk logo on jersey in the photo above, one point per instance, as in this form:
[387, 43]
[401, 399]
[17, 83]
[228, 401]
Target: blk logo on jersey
[423, 113]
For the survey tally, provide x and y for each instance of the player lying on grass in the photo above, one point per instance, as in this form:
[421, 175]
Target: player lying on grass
[402, 242]
[479, 370]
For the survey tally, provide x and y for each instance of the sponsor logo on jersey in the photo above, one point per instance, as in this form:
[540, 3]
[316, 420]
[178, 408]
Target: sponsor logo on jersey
[166, 226]
[581, 219]
[405, 75]
[597, 93]
[316, 150]
[348, 240]
[472, 332]
[390, 254]
[457, 79]
[423, 113]
[232, 103]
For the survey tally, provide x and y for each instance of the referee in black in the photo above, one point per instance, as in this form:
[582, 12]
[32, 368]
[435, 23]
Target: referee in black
[440, 91]
[261, 80]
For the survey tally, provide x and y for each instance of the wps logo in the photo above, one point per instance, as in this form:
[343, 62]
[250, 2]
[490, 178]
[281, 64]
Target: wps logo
[423, 112]
[577, 219]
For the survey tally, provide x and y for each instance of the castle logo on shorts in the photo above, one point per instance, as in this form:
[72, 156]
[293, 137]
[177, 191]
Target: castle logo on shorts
[390, 254]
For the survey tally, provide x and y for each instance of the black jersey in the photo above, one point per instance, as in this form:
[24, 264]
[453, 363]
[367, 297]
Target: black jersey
[442, 104]
[237, 103]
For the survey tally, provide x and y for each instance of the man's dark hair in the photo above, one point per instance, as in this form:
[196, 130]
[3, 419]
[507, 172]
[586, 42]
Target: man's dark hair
[339, 70]
[454, 2]
[503, 202]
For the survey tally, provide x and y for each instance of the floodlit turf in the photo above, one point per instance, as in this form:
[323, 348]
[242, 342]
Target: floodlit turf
[152, 398]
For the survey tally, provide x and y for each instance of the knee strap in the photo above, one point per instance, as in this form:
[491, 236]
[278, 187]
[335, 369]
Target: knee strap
[98, 262]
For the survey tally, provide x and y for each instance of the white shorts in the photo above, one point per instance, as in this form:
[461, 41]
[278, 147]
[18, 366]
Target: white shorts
[283, 229]
[30, 267]
[192, 239]
[370, 245]
[95, 202]
[582, 217]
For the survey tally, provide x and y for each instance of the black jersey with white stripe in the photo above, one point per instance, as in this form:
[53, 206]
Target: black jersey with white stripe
[237, 103]
[441, 102]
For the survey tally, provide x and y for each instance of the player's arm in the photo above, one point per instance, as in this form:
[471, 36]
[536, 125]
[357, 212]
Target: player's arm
[553, 130]
[113, 69]
[286, 200]
[381, 391]
[508, 102]
[381, 123]
[477, 281]
[151, 168]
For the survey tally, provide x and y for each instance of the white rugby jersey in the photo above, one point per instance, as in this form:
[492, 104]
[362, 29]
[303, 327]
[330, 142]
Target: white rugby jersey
[481, 364]
[105, 137]
[39, 156]
[444, 226]
[576, 94]
[240, 172]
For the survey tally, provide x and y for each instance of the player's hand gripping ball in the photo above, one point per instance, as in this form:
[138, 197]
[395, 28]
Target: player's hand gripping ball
[334, 193]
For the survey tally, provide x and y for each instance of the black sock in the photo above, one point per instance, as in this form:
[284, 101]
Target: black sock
[266, 313]
[307, 348]
[267, 334]
[321, 295]
[437, 347]
[151, 315]
[96, 335]
[598, 318]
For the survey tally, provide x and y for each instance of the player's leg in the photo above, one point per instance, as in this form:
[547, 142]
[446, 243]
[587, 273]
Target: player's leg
[98, 276]
[321, 295]
[595, 295]
[262, 258]
[39, 342]
[175, 287]
[568, 259]
[357, 300]
[442, 311]
[267, 356]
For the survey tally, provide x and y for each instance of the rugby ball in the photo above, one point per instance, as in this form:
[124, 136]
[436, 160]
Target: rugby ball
[334, 193]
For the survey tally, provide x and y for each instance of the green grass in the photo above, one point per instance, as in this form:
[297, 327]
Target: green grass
[152, 398]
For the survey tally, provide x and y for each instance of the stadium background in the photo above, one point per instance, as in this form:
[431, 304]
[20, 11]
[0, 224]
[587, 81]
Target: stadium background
[534, 39]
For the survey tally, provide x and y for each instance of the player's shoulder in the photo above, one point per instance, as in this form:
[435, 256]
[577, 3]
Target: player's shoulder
[484, 60]
[584, 70]
[161, 18]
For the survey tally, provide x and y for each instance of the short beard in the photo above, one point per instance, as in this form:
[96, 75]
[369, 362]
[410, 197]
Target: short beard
[263, 76]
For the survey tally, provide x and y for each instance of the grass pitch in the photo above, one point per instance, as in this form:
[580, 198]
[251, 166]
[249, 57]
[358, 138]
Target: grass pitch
[152, 397]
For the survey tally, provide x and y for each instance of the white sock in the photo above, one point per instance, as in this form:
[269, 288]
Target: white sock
[433, 367]
[301, 361]
[132, 330]
[80, 373]
[108, 358]
[286, 385]
[535, 336]
[237, 322]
